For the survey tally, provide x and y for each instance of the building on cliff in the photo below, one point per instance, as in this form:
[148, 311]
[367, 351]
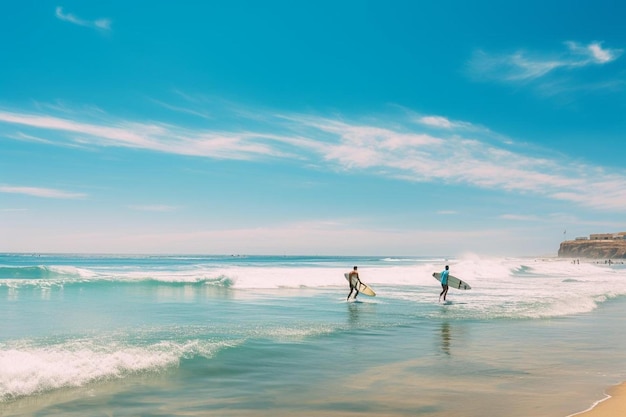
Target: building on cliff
[597, 246]
[608, 236]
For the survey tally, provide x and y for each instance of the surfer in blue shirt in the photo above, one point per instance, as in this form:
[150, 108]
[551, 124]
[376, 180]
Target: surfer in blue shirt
[444, 283]
[354, 283]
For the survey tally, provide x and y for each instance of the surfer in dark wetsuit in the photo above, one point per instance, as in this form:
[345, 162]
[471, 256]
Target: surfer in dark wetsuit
[354, 282]
[444, 283]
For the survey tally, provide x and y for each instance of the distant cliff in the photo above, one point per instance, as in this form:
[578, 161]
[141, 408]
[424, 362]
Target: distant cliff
[594, 249]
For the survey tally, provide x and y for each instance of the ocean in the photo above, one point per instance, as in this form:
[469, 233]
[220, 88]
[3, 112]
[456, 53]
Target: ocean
[195, 335]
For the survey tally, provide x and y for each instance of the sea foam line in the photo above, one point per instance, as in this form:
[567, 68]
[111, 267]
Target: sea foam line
[27, 370]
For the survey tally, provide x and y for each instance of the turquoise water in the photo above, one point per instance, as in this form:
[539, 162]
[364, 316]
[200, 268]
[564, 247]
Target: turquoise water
[255, 336]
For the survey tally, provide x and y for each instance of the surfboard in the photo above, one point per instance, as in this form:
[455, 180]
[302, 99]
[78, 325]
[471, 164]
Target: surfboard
[363, 288]
[453, 282]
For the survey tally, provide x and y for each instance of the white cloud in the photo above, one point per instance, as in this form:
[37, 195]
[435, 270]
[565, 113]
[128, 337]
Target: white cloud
[417, 156]
[436, 121]
[441, 122]
[156, 137]
[523, 66]
[101, 24]
[403, 151]
[41, 192]
[592, 53]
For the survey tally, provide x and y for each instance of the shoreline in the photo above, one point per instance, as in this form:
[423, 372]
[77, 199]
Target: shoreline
[614, 404]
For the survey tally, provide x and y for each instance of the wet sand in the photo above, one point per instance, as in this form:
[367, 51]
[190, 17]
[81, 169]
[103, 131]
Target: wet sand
[614, 405]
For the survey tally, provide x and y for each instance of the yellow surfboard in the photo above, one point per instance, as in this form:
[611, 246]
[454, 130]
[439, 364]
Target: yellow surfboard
[363, 288]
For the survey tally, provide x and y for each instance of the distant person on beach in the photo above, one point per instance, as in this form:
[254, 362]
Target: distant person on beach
[444, 283]
[353, 279]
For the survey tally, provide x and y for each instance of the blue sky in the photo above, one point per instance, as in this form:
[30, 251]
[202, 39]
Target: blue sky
[314, 127]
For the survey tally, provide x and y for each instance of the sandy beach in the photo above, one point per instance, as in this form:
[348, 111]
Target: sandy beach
[612, 406]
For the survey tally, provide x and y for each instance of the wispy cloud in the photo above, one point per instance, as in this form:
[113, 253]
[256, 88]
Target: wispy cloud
[525, 66]
[513, 67]
[41, 192]
[441, 122]
[436, 121]
[29, 138]
[593, 53]
[184, 110]
[100, 24]
[153, 136]
[400, 149]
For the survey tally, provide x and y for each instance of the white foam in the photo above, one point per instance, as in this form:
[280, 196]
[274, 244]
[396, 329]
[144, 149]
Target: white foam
[70, 271]
[27, 369]
[507, 287]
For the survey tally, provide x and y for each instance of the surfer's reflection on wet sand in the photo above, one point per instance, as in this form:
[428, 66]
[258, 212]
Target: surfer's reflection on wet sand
[446, 338]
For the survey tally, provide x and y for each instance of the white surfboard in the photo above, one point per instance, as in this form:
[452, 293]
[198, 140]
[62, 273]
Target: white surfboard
[453, 282]
[363, 288]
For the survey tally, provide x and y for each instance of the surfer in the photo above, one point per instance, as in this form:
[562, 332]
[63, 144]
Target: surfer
[354, 282]
[444, 283]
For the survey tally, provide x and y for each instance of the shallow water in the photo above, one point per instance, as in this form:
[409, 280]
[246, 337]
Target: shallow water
[195, 335]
